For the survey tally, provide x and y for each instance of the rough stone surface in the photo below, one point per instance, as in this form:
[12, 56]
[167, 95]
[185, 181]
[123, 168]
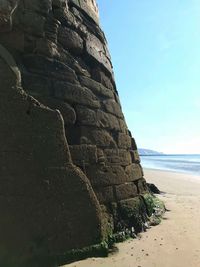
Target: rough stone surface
[70, 40]
[65, 145]
[39, 183]
[105, 195]
[153, 188]
[133, 211]
[126, 190]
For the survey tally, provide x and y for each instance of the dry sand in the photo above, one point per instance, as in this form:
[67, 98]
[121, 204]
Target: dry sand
[173, 243]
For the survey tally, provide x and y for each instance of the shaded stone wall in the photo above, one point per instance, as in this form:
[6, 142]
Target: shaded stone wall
[41, 191]
[62, 57]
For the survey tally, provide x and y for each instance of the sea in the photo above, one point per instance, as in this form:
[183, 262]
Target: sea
[178, 163]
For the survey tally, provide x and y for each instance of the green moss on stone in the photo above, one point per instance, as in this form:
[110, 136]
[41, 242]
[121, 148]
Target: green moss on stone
[134, 212]
[98, 250]
[130, 207]
[153, 205]
[107, 223]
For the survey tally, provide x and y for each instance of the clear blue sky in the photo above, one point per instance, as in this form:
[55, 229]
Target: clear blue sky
[155, 49]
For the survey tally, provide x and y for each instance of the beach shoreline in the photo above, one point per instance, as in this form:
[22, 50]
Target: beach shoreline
[182, 163]
[171, 171]
[173, 243]
[172, 182]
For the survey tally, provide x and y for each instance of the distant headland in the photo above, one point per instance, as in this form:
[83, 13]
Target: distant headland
[148, 152]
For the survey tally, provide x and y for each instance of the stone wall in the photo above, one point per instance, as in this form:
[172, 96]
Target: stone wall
[69, 159]
[41, 191]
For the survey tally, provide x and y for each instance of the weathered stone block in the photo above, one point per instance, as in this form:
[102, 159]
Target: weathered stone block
[67, 112]
[75, 94]
[105, 194]
[112, 107]
[125, 191]
[42, 7]
[134, 172]
[102, 138]
[83, 155]
[32, 23]
[108, 121]
[51, 28]
[70, 40]
[8, 37]
[107, 52]
[108, 222]
[86, 116]
[101, 157]
[130, 207]
[133, 144]
[97, 118]
[124, 141]
[7, 8]
[142, 186]
[73, 19]
[89, 134]
[114, 210]
[96, 87]
[123, 126]
[37, 85]
[134, 213]
[118, 156]
[135, 156]
[106, 175]
[46, 48]
[95, 49]
[76, 64]
[102, 78]
[49, 67]
[89, 7]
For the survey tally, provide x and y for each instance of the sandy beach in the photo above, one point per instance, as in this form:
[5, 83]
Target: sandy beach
[173, 243]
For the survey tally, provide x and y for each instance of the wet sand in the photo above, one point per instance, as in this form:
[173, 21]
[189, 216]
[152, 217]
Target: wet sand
[173, 243]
